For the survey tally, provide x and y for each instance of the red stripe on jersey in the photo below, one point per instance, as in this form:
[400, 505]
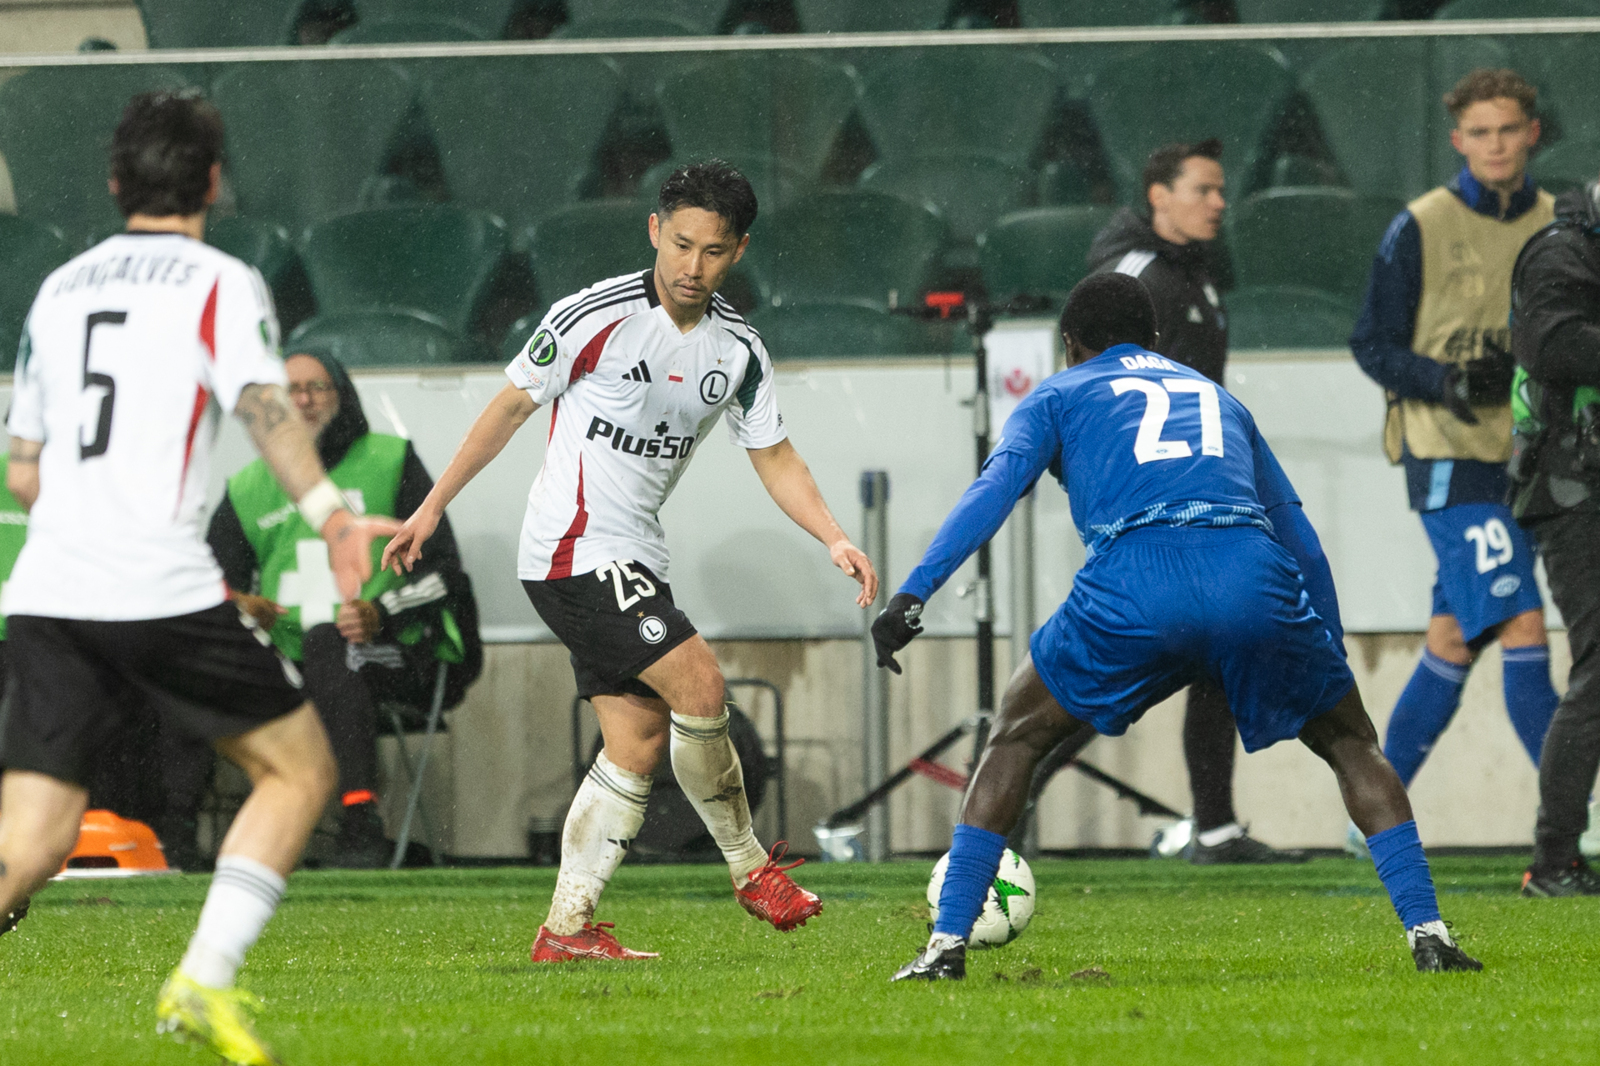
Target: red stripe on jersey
[208, 328]
[589, 358]
[554, 410]
[201, 399]
[561, 558]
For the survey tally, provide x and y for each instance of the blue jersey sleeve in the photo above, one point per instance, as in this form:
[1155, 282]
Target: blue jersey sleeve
[1030, 442]
[1272, 484]
[1295, 532]
[1382, 338]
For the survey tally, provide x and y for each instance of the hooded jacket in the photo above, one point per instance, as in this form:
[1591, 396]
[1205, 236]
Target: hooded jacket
[441, 556]
[1184, 281]
[1555, 337]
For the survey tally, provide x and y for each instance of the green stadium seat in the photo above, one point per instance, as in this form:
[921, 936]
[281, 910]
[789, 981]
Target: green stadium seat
[1040, 251]
[1522, 9]
[29, 251]
[787, 105]
[1316, 238]
[775, 184]
[1300, 11]
[435, 259]
[848, 246]
[305, 138]
[518, 335]
[1374, 101]
[217, 24]
[386, 337]
[268, 247]
[516, 134]
[402, 29]
[55, 133]
[846, 330]
[1187, 92]
[865, 16]
[1568, 78]
[982, 101]
[1571, 164]
[585, 243]
[969, 191]
[1079, 13]
[1283, 316]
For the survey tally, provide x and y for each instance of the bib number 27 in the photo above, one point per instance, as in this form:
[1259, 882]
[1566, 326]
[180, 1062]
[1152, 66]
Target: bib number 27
[1147, 444]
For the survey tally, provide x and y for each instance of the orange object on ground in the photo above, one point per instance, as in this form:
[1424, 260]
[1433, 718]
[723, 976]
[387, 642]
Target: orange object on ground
[111, 846]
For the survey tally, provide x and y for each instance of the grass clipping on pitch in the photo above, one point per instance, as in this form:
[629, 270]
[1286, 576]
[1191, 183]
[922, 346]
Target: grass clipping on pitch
[1129, 961]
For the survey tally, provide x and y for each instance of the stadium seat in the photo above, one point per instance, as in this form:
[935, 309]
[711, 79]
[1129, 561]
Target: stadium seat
[856, 16]
[1283, 316]
[267, 247]
[970, 191]
[210, 24]
[1171, 92]
[518, 335]
[1078, 13]
[1568, 78]
[846, 329]
[55, 132]
[1568, 165]
[436, 259]
[408, 30]
[1522, 9]
[28, 252]
[304, 138]
[848, 246]
[1316, 238]
[982, 101]
[1300, 11]
[788, 105]
[588, 242]
[1374, 101]
[516, 134]
[1040, 251]
[386, 337]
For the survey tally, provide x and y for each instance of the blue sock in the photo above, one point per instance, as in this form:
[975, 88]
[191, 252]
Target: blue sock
[1403, 869]
[974, 860]
[1530, 698]
[1425, 707]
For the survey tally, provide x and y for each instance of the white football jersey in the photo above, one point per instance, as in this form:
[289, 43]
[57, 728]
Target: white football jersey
[630, 398]
[131, 352]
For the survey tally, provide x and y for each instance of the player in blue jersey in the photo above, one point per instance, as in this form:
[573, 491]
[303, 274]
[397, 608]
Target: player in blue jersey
[1200, 564]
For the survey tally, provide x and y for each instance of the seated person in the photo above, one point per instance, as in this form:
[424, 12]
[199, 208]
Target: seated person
[385, 646]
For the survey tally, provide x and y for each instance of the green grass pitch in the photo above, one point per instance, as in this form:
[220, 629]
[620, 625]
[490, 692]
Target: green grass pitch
[1280, 965]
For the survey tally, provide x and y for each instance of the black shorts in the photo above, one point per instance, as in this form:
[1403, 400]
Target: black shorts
[616, 622]
[208, 675]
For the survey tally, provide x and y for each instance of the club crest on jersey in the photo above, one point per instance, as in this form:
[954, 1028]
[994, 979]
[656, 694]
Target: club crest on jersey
[714, 387]
[542, 348]
[660, 446]
[653, 630]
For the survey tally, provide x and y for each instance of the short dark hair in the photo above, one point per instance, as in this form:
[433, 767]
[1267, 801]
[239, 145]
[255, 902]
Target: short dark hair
[1166, 162]
[714, 186]
[1108, 309]
[163, 152]
[1486, 83]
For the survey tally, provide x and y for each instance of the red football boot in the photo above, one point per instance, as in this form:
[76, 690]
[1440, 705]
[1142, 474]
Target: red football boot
[593, 941]
[772, 897]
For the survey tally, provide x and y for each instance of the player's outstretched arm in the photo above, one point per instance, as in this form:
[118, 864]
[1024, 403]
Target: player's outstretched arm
[284, 441]
[22, 471]
[490, 433]
[789, 482]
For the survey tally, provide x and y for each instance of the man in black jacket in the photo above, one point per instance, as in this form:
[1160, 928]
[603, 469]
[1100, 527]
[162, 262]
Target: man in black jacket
[1170, 249]
[387, 645]
[1555, 472]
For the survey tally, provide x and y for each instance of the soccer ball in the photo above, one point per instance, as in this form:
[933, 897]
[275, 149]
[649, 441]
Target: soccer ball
[1008, 909]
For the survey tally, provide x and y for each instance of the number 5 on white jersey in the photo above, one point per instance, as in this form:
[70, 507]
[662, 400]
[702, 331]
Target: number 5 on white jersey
[1148, 445]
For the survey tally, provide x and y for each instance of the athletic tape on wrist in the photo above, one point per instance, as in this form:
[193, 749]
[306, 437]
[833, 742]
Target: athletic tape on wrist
[320, 502]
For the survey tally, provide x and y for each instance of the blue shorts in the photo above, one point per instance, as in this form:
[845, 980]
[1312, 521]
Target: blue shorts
[1485, 566]
[1164, 607]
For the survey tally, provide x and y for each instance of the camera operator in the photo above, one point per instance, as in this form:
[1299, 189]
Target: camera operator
[1555, 494]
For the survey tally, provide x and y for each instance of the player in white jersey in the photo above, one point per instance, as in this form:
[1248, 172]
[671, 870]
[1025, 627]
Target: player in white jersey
[636, 371]
[131, 353]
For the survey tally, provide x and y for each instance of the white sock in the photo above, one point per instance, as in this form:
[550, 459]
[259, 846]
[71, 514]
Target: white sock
[707, 768]
[243, 896]
[604, 818]
[1221, 835]
[1435, 927]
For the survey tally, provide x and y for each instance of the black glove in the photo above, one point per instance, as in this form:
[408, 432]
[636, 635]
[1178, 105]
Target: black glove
[1489, 377]
[1456, 396]
[894, 628]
